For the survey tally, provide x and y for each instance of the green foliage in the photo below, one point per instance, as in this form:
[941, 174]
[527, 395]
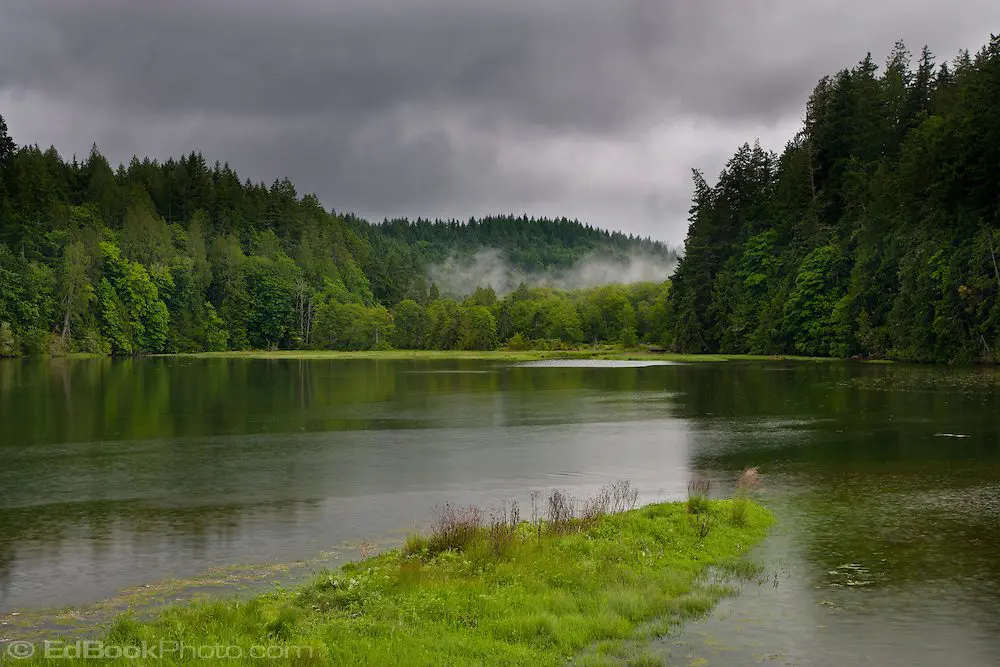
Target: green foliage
[606, 313]
[518, 342]
[482, 296]
[561, 320]
[874, 233]
[410, 325]
[9, 345]
[352, 326]
[443, 319]
[477, 328]
[811, 307]
[76, 291]
[270, 288]
[145, 236]
[213, 331]
[7, 145]
[180, 256]
[526, 244]
[133, 317]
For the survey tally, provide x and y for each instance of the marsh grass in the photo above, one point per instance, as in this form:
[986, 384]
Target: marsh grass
[699, 494]
[454, 527]
[739, 511]
[578, 579]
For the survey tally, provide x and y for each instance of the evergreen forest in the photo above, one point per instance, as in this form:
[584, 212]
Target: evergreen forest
[183, 256]
[875, 232]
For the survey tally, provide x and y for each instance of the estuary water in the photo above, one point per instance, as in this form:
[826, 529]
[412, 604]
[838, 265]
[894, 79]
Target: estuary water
[885, 479]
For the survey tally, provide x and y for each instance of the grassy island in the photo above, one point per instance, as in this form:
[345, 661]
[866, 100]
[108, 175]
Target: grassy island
[582, 583]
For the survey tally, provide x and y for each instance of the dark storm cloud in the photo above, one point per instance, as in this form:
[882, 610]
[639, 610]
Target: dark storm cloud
[590, 108]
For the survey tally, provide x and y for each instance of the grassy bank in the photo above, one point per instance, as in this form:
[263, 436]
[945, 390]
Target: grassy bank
[479, 589]
[608, 352]
[611, 353]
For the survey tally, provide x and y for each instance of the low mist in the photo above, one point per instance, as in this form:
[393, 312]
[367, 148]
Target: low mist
[460, 275]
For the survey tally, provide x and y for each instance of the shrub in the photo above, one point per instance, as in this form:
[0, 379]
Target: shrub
[624, 496]
[561, 512]
[597, 506]
[517, 342]
[56, 345]
[9, 344]
[703, 522]
[92, 342]
[452, 529]
[613, 498]
[462, 528]
[503, 528]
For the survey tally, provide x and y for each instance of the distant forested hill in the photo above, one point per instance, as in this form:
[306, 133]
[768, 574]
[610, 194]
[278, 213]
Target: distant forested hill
[530, 244]
[182, 255]
[875, 232]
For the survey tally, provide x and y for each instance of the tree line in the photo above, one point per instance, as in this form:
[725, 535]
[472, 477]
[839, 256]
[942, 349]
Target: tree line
[875, 232]
[180, 256]
[534, 317]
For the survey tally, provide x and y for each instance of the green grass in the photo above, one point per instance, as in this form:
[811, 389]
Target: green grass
[507, 593]
[606, 352]
[499, 355]
[609, 352]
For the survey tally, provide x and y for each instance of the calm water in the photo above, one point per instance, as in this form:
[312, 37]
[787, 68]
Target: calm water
[114, 474]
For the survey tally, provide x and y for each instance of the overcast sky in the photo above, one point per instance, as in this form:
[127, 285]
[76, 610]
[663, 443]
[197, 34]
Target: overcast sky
[594, 109]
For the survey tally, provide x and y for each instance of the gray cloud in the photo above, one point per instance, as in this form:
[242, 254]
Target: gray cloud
[585, 108]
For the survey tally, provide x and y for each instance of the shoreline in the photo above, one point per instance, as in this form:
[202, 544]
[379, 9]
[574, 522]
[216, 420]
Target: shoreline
[609, 353]
[510, 591]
